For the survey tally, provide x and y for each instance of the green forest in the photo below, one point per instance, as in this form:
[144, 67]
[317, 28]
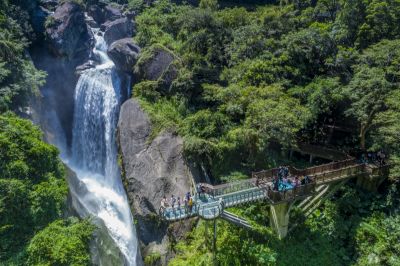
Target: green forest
[249, 75]
[34, 227]
[246, 77]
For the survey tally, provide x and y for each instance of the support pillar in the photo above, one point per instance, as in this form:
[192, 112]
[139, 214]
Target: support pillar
[311, 159]
[370, 183]
[373, 178]
[279, 218]
[215, 243]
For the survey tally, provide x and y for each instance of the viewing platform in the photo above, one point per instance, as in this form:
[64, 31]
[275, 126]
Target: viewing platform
[211, 203]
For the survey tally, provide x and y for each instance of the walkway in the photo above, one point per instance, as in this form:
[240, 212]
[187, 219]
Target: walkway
[211, 204]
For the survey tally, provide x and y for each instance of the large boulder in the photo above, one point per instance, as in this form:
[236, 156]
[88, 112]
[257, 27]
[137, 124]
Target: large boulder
[112, 12]
[67, 32]
[152, 169]
[101, 12]
[117, 29]
[124, 54]
[158, 64]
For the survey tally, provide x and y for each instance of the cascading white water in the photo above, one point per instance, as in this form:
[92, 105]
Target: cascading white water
[99, 191]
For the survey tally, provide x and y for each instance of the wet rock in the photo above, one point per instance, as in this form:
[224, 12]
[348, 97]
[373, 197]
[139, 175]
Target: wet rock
[102, 13]
[112, 12]
[89, 64]
[124, 54]
[67, 32]
[117, 29]
[96, 12]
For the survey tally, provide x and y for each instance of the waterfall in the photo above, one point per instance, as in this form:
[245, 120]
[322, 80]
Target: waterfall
[98, 190]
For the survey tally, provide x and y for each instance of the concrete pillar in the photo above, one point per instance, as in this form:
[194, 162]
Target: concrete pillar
[311, 158]
[370, 183]
[279, 218]
[373, 178]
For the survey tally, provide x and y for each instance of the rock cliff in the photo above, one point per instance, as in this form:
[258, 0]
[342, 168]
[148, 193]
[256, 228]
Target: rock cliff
[152, 168]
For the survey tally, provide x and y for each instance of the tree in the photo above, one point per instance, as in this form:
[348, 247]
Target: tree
[376, 76]
[15, 219]
[381, 21]
[377, 241]
[209, 4]
[62, 243]
[386, 135]
[276, 116]
[19, 79]
[367, 91]
[23, 154]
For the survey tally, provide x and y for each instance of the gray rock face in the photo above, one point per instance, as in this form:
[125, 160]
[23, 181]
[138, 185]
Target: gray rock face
[67, 32]
[157, 64]
[102, 13]
[154, 66]
[117, 29]
[96, 12]
[151, 169]
[124, 53]
[112, 12]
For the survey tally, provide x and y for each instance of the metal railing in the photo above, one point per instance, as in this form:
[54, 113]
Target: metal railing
[248, 196]
[290, 194]
[231, 187]
[347, 172]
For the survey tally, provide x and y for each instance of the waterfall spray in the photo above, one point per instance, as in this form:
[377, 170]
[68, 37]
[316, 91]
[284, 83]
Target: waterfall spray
[94, 153]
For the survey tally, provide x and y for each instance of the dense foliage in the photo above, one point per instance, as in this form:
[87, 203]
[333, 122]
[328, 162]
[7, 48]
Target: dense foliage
[353, 228]
[19, 79]
[33, 193]
[62, 243]
[251, 78]
[274, 74]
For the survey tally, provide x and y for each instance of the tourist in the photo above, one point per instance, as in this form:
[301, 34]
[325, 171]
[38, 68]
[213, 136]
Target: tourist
[173, 200]
[198, 188]
[188, 195]
[185, 202]
[190, 203]
[285, 171]
[276, 183]
[179, 204]
[296, 181]
[163, 205]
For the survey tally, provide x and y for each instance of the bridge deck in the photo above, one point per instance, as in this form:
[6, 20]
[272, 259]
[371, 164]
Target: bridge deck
[216, 198]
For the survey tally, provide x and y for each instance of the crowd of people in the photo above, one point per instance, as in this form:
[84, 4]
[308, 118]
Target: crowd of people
[378, 158]
[178, 203]
[283, 181]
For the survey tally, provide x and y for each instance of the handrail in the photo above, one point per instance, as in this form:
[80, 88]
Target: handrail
[299, 191]
[269, 174]
[259, 187]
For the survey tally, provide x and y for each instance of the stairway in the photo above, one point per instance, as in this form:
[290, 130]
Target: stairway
[311, 203]
[232, 218]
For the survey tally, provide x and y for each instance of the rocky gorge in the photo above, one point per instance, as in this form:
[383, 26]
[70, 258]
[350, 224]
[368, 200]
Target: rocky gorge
[152, 167]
